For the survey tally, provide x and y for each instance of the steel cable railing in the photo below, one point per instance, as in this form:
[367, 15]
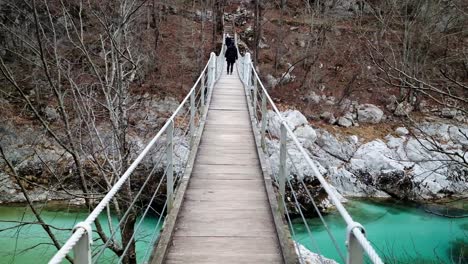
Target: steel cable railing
[192, 108]
[356, 241]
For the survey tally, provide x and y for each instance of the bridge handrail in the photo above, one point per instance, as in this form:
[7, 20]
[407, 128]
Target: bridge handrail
[81, 239]
[355, 231]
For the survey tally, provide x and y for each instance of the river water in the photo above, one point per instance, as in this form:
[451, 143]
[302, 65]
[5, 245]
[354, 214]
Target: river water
[31, 244]
[401, 234]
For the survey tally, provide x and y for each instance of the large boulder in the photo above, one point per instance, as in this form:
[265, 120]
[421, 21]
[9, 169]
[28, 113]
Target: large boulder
[351, 186]
[293, 119]
[369, 113]
[346, 120]
[306, 135]
[296, 163]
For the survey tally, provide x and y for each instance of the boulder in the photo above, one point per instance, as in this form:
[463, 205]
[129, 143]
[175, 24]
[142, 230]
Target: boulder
[349, 185]
[403, 109]
[369, 113]
[402, 131]
[346, 120]
[306, 135]
[293, 119]
[309, 257]
[392, 103]
[272, 81]
[328, 117]
[448, 112]
[296, 163]
[375, 156]
[341, 150]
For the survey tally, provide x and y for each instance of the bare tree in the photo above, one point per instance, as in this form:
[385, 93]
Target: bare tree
[87, 78]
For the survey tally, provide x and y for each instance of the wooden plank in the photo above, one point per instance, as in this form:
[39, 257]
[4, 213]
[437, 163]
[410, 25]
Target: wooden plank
[226, 154]
[224, 250]
[199, 194]
[209, 258]
[225, 245]
[227, 161]
[226, 169]
[225, 205]
[238, 223]
[251, 184]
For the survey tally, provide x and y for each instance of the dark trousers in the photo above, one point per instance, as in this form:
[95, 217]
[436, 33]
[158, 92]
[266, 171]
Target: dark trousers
[230, 66]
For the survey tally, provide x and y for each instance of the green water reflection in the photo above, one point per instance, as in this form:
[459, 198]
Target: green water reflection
[30, 244]
[400, 233]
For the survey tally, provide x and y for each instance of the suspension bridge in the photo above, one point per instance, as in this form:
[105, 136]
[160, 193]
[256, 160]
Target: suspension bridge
[223, 202]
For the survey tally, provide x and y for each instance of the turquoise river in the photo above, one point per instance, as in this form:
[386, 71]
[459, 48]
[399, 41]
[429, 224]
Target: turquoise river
[401, 234]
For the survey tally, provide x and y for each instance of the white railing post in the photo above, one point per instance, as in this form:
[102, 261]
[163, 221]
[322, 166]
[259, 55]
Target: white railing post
[264, 120]
[170, 165]
[211, 70]
[202, 87]
[192, 117]
[355, 250]
[246, 69]
[255, 89]
[283, 170]
[82, 249]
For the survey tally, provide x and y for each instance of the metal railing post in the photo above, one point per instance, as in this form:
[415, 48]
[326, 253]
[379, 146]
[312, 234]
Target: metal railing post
[246, 69]
[192, 117]
[202, 85]
[355, 250]
[82, 249]
[212, 71]
[264, 120]
[255, 89]
[170, 165]
[283, 172]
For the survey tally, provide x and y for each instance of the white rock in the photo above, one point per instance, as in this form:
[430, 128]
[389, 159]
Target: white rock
[328, 117]
[448, 112]
[369, 113]
[306, 135]
[349, 185]
[295, 161]
[403, 109]
[402, 131]
[294, 118]
[272, 81]
[345, 122]
[309, 257]
[375, 156]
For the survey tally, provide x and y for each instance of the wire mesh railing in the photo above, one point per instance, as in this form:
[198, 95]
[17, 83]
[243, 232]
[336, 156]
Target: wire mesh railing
[146, 189]
[285, 151]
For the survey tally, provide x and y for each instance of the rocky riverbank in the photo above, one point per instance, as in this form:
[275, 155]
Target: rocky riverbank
[427, 161]
[47, 172]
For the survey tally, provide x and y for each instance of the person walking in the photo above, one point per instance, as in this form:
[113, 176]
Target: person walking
[228, 40]
[231, 57]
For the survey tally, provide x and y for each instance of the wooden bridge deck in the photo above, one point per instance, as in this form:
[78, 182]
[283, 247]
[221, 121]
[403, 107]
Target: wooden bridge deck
[226, 216]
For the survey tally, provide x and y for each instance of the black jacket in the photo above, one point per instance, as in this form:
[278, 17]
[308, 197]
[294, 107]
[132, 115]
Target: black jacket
[228, 41]
[231, 54]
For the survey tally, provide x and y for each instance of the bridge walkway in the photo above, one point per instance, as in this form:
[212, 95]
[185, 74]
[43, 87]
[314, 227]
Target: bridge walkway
[226, 216]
